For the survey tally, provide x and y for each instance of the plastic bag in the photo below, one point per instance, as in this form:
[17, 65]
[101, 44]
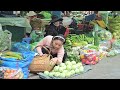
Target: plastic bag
[11, 73]
[5, 40]
[116, 44]
[106, 44]
[67, 21]
[111, 53]
[104, 35]
[89, 57]
[21, 47]
[23, 64]
[46, 14]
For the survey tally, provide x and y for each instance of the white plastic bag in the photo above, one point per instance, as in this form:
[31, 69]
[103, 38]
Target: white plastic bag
[67, 21]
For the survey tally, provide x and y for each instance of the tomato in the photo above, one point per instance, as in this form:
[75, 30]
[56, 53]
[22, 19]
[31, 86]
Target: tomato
[8, 71]
[12, 71]
[88, 62]
[94, 57]
[84, 61]
[93, 62]
[97, 59]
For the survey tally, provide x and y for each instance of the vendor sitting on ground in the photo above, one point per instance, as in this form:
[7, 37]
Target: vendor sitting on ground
[55, 27]
[36, 34]
[55, 45]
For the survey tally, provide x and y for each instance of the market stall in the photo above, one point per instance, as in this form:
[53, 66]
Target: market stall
[17, 26]
[83, 49]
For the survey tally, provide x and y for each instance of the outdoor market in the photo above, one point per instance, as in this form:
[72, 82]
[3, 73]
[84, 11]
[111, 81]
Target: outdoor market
[56, 44]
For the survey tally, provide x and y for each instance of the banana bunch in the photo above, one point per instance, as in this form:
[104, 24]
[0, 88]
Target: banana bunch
[14, 55]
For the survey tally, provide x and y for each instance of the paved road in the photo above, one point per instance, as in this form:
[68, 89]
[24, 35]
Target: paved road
[108, 68]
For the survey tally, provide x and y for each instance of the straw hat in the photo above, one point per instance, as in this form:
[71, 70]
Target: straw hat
[31, 13]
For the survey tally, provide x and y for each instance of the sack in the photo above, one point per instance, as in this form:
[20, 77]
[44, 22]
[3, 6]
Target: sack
[5, 40]
[105, 45]
[11, 73]
[89, 57]
[42, 63]
[23, 64]
[104, 35]
[21, 47]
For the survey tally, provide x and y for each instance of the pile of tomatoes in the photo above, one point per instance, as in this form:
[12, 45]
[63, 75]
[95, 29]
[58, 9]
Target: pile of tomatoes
[11, 74]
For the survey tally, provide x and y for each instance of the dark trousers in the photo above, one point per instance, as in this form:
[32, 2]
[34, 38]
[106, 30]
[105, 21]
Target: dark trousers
[44, 51]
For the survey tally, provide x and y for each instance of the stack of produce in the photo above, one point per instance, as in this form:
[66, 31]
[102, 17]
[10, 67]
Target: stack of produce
[104, 35]
[114, 27]
[73, 57]
[99, 50]
[93, 47]
[15, 55]
[89, 57]
[9, 73]
[66, 70]
[79, 40]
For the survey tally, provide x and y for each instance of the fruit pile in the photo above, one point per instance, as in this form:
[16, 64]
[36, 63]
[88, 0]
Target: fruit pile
[11, 74]
[89, 57]
[65, 70]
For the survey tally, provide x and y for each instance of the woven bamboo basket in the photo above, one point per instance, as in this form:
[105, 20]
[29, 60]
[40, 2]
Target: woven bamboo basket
[41, 63]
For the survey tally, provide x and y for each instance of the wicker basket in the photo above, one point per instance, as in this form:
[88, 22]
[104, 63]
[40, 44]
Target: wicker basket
[41, 63]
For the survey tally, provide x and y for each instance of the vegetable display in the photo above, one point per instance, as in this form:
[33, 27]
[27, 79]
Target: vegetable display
[114, 27]
[89, 57]
[79, 40]
[66, 70]
[73, 57]
[14, 55]
[104, 35]
[93, 47]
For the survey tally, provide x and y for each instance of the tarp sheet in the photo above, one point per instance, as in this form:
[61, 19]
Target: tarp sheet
[16, 21]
